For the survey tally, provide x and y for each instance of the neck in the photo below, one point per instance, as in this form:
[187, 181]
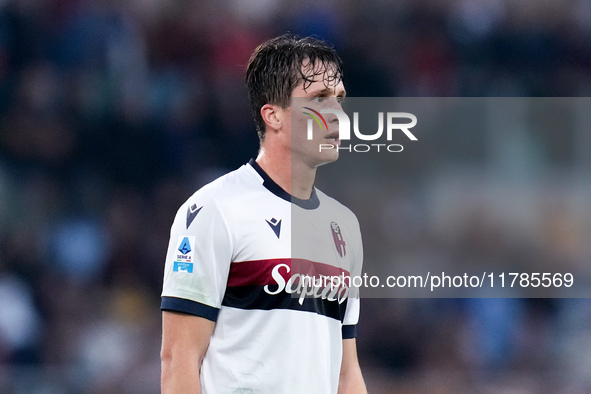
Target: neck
[296, 178]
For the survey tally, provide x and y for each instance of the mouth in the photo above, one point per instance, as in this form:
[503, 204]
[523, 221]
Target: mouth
[333, 137]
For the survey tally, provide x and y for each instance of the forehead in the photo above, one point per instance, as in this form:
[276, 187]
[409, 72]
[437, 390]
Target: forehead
[318, 76]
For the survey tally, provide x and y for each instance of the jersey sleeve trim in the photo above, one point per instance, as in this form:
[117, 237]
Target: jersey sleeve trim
[349, 331]
[182, 305]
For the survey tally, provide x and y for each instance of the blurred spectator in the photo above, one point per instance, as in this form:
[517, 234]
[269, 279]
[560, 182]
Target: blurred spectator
[112, 114]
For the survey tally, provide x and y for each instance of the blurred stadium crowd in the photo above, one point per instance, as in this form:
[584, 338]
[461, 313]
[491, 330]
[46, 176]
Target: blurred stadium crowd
[113, 113]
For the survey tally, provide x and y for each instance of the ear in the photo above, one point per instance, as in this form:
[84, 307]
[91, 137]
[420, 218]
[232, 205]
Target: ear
[272, 116]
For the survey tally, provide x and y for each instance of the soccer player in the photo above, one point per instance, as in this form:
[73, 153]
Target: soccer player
[238, 316]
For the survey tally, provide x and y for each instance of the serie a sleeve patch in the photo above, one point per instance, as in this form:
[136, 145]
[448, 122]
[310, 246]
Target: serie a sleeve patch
[184, 255]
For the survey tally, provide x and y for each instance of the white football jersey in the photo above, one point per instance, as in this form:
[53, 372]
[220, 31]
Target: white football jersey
[239, 252]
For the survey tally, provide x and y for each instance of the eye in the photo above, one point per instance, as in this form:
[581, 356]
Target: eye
[319, 99]
[340, 99]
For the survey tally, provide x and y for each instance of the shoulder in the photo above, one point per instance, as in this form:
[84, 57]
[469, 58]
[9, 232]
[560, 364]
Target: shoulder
[227, 188]
[219, 197]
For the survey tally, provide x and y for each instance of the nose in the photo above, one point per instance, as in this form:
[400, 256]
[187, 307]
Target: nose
[333, 104]
[335, 116]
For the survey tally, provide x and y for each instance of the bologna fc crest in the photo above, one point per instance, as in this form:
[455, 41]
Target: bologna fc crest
[339, 242]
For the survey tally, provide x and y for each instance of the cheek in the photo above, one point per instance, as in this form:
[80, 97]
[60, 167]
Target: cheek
[299, 127]
[298, 122]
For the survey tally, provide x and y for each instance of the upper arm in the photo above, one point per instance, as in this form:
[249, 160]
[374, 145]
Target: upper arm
[185, 339]
[185, 334]
[350, 379]
[195, 276]
[349, 354]
[351, 317]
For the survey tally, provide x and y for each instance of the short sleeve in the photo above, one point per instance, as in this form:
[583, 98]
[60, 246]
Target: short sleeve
[352, 311]
[198, 259]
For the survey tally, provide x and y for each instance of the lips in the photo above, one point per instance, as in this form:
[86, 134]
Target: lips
[333, 139]
[332, 136]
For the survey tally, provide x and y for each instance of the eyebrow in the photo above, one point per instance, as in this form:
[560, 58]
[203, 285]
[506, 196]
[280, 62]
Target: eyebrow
[327, 91]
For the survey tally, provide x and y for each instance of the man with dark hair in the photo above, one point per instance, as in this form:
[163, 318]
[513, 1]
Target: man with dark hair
[238, 314]
[280, 64]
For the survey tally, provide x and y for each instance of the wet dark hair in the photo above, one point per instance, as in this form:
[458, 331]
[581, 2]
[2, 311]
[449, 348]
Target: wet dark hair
[278, 65]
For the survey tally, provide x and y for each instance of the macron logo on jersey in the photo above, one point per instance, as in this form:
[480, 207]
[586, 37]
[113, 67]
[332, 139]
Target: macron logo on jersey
[192, 212]
[184, 259]
[275, 226]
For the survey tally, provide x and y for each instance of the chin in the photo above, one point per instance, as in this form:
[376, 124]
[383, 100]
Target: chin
[329, 157]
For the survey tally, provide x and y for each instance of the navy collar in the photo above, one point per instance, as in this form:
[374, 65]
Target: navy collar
[274, 188]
